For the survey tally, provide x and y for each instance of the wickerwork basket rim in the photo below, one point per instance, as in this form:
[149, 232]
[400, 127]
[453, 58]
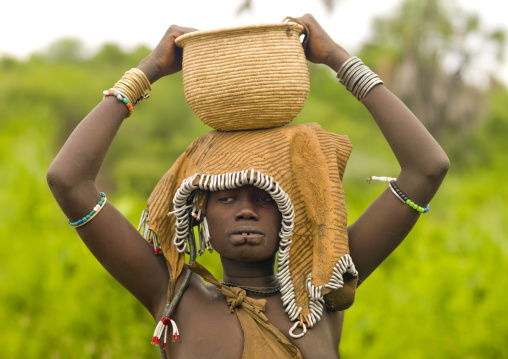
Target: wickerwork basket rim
[182, 40]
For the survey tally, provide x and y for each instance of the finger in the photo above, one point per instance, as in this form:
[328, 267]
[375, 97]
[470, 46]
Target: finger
[179, 31]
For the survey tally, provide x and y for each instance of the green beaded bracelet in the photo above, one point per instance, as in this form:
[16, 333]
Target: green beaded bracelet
[404, 199]
[92, 214]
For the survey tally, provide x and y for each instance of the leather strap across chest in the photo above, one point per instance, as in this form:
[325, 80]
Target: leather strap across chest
[261, 338]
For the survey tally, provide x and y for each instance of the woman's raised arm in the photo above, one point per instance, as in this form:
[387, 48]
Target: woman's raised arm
[109, 235]
[424, 164]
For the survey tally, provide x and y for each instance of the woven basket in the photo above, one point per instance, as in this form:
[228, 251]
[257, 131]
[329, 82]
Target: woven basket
[246, 77]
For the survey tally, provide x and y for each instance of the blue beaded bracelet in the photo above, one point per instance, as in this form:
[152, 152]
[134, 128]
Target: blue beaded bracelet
[92, 214]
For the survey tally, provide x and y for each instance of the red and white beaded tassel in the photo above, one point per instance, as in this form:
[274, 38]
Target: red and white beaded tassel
[162, 329]
[148, 234]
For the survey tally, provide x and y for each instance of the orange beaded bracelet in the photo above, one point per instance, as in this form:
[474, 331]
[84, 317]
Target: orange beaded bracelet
[121, 97]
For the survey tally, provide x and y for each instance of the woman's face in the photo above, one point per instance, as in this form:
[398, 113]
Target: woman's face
[244, 223]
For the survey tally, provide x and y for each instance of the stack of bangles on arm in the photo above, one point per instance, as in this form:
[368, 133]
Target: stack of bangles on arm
[130, 89]
[92, 214]
[357, 77]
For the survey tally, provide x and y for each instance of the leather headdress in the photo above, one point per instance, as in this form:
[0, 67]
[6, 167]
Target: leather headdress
[301, 166]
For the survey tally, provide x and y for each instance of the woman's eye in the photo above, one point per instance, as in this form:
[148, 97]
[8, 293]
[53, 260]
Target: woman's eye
[226, 199]
[266, 199]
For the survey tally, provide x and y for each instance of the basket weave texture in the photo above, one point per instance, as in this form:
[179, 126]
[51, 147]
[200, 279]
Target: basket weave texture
[247, 77]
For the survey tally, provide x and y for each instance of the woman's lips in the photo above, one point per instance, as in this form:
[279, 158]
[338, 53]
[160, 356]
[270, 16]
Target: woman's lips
[251, 236]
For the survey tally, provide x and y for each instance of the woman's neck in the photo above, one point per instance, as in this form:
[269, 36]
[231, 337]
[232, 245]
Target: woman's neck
[255, 275]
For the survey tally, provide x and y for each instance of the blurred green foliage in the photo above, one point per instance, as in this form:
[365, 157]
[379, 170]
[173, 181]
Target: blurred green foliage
[440, 294]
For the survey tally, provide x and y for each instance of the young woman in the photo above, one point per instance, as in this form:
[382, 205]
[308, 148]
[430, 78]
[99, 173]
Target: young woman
[244, 226]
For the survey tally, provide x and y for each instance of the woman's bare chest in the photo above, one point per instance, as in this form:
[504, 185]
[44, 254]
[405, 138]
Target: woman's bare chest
[209, 328]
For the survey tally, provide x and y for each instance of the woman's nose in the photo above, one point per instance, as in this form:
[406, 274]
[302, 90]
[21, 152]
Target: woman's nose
[246, 211]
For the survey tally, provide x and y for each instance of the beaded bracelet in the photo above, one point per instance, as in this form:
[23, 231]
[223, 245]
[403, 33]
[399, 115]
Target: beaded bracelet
[404, 199]
[131, 88]
[92, 214]
[121, 97]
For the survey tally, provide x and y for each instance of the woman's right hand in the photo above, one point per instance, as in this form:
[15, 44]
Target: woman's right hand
[166, 58]
[322, 49]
